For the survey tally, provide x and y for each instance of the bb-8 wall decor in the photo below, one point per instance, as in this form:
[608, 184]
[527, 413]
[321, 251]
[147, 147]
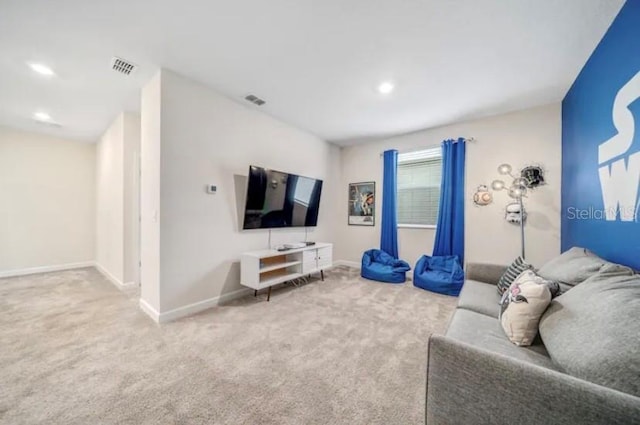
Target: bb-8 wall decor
[482, 197]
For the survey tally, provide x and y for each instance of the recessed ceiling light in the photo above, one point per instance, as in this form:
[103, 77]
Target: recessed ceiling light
[386, 87]
[42, 116]
[42, 69]
[45, 119]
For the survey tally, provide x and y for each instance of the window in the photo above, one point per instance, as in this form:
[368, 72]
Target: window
[419, 175]
[304, 190]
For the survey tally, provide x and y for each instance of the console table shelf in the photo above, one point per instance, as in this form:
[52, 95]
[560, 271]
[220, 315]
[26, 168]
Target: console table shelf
[279, 266]
[278, 279]
[265, 268]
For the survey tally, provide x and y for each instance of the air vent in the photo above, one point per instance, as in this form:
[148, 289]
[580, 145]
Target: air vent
[122, 66]
[255, 100]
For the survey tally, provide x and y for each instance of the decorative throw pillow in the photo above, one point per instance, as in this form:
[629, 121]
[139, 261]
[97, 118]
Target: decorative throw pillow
[522, 306]
[518, 266]
[554, 287]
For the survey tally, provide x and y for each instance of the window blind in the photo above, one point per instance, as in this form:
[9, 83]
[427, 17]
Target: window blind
[419, 178]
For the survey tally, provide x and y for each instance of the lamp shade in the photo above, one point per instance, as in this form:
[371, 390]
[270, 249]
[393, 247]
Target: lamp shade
[504, 169]
[497, 185]
[520, 182]
[517, 191]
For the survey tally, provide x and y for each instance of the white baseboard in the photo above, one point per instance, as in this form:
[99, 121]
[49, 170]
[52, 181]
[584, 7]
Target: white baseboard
[353, 264]
[45, 269]
[150, 311]
[111, 277]
[191, 309]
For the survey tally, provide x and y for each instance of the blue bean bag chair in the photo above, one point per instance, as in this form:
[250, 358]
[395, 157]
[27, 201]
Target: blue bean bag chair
[442, 274]
[380, 266]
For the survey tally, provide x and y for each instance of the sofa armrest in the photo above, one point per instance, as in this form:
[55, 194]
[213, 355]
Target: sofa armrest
[469, 385]
[484, 272]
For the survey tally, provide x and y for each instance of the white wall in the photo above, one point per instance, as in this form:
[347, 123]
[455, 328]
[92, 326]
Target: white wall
[110, 201]
[207, 138]
[116, 199]
[131, 193]
[150, 163]
[47, 203]
[521, 138]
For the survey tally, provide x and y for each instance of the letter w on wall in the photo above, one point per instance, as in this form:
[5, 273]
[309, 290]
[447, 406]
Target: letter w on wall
[620, 180]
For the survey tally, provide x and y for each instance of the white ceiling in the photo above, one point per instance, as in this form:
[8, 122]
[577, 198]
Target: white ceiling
[316, 62]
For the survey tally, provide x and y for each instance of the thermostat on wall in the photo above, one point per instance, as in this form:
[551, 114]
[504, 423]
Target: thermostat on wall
[211, 188]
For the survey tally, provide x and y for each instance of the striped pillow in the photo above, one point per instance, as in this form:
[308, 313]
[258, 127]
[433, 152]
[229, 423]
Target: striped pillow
[513, 271]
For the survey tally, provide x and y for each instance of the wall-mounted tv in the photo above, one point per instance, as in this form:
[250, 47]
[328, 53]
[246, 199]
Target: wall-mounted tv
[278, 199]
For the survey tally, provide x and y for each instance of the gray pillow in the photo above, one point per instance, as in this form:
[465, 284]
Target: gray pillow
[592, 331]
[572, 267]
[511, 273]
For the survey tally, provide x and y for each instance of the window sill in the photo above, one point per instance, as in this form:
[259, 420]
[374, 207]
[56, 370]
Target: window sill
[416, 226]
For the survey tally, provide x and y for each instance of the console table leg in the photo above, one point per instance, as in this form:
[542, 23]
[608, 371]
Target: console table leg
[269, 294]
[322, 275]
[255, 292]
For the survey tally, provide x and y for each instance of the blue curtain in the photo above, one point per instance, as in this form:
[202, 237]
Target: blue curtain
[450, 229]
[389, 234]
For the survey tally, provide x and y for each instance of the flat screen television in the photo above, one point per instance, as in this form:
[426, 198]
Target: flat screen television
[278, 199]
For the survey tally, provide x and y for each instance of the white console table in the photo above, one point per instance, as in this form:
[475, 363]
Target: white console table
[265, 268]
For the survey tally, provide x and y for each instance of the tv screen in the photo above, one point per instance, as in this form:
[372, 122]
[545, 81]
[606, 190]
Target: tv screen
[277, 199]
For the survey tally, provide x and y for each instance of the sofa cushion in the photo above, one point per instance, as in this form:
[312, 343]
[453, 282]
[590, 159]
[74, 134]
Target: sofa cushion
[485, 332]
[572, 267]
[592, 331]
[480, 297]
[518, 266]
[522, 306]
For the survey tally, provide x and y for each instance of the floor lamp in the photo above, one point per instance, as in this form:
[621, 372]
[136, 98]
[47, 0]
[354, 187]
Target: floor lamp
[517, 190]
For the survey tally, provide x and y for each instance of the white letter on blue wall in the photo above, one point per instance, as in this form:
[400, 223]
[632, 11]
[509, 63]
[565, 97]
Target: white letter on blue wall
[620, 182]
[620, 187]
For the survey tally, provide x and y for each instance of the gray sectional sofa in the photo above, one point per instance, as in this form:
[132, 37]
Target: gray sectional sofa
[583, 368]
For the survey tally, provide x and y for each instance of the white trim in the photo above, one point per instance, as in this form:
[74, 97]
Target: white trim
[191, 309]
[353, 264]
[421, 155]
[417, 226]
[150, 311]
[119, 284]
[45, 269]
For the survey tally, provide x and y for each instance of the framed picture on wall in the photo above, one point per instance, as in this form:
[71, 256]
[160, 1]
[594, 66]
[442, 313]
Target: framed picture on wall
[362, 204]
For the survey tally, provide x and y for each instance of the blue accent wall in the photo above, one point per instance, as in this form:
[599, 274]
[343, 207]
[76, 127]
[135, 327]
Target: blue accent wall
[592, 217]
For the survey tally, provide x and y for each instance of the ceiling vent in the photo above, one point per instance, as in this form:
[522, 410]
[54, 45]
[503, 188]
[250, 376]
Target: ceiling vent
[122, 66]
[255, 100]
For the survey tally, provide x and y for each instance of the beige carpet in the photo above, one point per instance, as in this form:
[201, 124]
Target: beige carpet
[76, 350]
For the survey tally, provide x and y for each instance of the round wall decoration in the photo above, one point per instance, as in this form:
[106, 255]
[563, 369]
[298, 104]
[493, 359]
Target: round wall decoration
[533, 175]
[515, 213]
[482, 197]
